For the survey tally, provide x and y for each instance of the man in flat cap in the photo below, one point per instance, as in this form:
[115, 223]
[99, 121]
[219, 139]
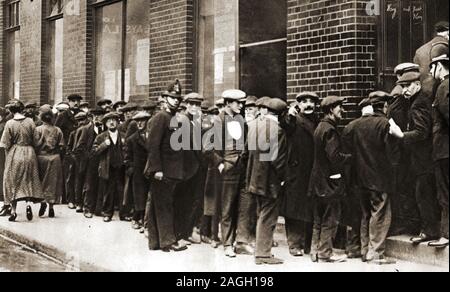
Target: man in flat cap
[266, 176]
[135, 160]
[418, 139]
[165, 170]
[423, 54]
[300, 124]
[189, 193]
[87, 184]
[375, 154]
[251, 110]
[84, 107]
[327, 183]
[108, 148]
[439, 70]
[105, 103]
[229, 163]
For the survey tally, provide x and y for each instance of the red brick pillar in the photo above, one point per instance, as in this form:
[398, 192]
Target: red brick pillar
[171, 44]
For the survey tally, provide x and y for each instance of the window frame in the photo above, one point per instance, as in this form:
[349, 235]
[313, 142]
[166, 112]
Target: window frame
[58, 15]
[9, 5]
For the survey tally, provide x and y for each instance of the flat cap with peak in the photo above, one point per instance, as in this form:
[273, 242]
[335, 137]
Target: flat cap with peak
[62, 106]
[129, 107]
[308, 94]
[141, 116]
[74, 97]
[406, 67]
[149, 105]
[262, 101]
[365, 102]
[276, 105]
[379, 97]
[251, 101]
[46, 108]
[31, 105]
[234, 94]
[220, 102]
[84, 104]
[194, 97]
[111, 116]
[439, 53]
[332, 100]
[81, 116]
[408, 78]
[97, 111]
[118, 104]
[173, 90]
[104, 101]
[441, 26]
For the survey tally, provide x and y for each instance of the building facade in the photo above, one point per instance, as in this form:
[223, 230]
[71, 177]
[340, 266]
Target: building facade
[131, 49]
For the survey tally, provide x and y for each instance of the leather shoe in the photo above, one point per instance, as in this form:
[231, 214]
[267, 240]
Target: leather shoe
[269, 261]
[229, 252]
[29, 213]
[79, 210]
[334, 259]
[441, 243]
[215, 243]
[314, 258]
[126, 219]
[244, 249]
[194, 240]
[296, 252]
[206, 239]
[88, 215]
[71, 206]
[107, 219]
[178, 247]
[13, 217]
[422, 238]
[42, 210]
[51, 213]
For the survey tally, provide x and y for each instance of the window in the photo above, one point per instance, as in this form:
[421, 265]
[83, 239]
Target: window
[122, 50]
[55, 64]
[13, 14]
[56, 7]
[13, 64]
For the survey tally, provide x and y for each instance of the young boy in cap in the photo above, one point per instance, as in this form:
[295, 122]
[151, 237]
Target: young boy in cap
[327, 185]
[418, 140]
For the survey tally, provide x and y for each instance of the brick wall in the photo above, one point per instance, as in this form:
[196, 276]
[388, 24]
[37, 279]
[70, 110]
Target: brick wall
[331, 49]
[171, 44]
[78, 52]
[31, 63]
[2, 54]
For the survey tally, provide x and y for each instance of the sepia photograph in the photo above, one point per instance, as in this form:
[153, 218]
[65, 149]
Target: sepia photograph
[211, 138]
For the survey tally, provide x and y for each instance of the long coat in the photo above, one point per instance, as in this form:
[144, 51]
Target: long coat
[161, 156]
[418, 138]
[266, 169]
[375, 152]
[440, 122]
[300, 136]
[67, 123]
[327, 177]
[135, 160]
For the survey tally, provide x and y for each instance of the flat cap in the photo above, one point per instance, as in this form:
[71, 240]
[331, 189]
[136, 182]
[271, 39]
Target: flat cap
[81, 116]
[74, 97]
[45, 108]
[194, 97]
[276, 105]
[62, 106]
[118, 104]
[220, 102]
[141, 116]
[379, 97]
[213, 110]
[104, 101]
[406, 67]
[291, 100]
[31, 105]
[308, 94]
[173, 90]
[182, 106]
[149, 105]
[234, 94]
[262, 101]
[332, 101]
[111, 116]
[408, 78]
[441, 26]
[365, 102]
[206, 105]
[251, 101]
[129, 107]
[439, 53]
[97, 111]
[84, 104]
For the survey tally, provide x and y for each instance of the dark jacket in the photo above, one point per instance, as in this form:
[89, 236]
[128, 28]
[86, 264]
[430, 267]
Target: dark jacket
[327, 177]
[266, 174]
[375, 152]
[84, 142]
[128, 128]
[423, 55]
[66, 122]
[300, 137]
[440, 122]
[135, 160]
[103, 152]
[161, 156]
[192, 155]
[418, 138]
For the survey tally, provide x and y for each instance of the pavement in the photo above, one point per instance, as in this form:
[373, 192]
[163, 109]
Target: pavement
[92, 245]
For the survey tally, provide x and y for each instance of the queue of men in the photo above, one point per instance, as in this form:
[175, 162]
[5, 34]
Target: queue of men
[244, 161]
